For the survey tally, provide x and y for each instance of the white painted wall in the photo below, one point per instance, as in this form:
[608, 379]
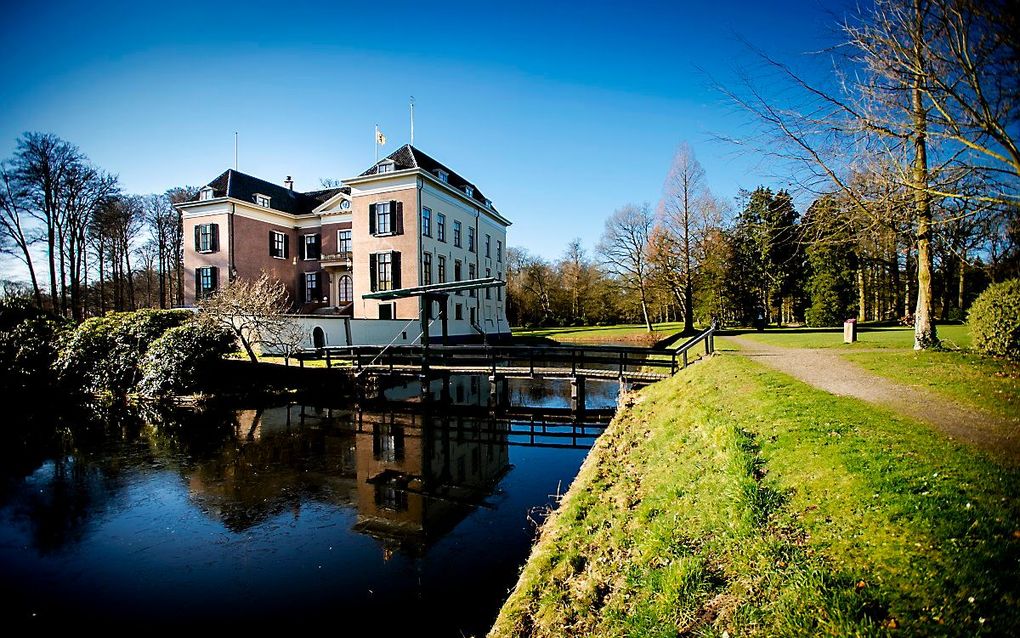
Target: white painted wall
[377, 332]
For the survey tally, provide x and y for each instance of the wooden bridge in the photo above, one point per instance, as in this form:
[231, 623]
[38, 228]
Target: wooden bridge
[623, 363]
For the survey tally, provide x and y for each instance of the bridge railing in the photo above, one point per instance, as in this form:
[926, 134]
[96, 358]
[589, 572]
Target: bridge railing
[623, 359]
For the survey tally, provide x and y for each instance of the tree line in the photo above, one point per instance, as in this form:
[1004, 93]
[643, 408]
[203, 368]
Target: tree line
[87, 246]
[695, 257]
[906, 140]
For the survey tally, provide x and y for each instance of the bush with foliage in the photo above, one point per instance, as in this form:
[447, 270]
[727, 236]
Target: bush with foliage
[102, 354]
[995, 320]
[27, 346]
[183, 358]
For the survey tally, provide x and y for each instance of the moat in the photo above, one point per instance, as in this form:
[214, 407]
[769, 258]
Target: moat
[391, 517]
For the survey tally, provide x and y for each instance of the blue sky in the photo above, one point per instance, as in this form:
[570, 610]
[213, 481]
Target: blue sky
[560, 113]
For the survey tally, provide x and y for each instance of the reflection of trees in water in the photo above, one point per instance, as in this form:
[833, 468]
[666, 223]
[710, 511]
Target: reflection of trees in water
[67, 473]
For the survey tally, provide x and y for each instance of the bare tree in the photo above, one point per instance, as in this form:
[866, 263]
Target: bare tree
[929, 89]
[685, 199]
[41, 163]
[624, 250]
[251, 308]
[17, 241]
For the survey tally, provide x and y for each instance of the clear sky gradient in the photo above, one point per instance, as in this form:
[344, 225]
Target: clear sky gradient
[560, 113]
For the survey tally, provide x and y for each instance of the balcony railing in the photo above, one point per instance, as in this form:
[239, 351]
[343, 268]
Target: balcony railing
[337, 259]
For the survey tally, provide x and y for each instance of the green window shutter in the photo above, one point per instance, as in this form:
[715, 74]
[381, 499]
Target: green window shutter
[286, 246]
[373, 276]
[215, 237]
[215, 278]
[371, 220]
[198, 237]
[198, 284]
[395, 261]
[271, 243]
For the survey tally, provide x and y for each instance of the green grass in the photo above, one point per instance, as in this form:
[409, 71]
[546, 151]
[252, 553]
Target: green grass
[603, 333]
[971, 379]
[736, 499]
[954, 336]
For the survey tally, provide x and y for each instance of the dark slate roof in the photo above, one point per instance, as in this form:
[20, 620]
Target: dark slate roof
[325, 194]
[407, 157]
[235, 184]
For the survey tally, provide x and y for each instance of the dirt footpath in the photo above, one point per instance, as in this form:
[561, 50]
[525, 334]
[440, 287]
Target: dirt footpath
[828, 371]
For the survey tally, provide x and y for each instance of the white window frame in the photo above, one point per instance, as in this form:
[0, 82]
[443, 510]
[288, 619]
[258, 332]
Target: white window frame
[205, 194]
[263, 200]
[383, 209]
[340, 289]
[389, 270]
[469, 190]
[458, 233]
[426, 221]
[308, 297]
[205, 236]
[384, 167]
[281, 239]
[340, 241]
[471, 240]
[304, 247]
[443, 176]
[441, 227]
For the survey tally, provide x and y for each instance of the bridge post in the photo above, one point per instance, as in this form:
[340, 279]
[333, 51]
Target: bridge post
[708, 343]
[329, 361]
[685, 358]
[426, 388]
[577, 393]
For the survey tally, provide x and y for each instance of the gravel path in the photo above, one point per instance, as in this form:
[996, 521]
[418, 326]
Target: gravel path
[828, 371]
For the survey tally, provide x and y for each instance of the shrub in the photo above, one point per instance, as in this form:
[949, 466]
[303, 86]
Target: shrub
[102, 354]
[995, 320]
[183, 358]
[27, 346]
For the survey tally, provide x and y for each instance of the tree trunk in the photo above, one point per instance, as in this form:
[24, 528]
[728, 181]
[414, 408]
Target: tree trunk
[247, 347]
[862, 295]
[924, 325]
[644, 309]
[961, 283]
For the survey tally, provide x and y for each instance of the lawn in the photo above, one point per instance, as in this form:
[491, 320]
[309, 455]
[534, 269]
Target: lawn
[622, 332]
[975, 380]
[734, 500]
[952, 335]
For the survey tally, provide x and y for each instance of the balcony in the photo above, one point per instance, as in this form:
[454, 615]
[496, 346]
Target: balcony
[339, 259]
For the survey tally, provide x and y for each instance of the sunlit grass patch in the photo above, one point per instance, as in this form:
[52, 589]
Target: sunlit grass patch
[735, 499]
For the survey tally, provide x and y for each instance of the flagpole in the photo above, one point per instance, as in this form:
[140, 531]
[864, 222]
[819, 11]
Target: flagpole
[412, 120]
[377, 143]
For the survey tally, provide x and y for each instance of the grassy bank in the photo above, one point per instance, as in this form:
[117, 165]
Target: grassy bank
[735, 499]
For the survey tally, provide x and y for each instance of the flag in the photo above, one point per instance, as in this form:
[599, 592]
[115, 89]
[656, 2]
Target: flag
[380, 139]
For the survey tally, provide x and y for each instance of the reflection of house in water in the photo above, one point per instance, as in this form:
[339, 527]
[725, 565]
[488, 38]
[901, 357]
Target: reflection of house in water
[412, 478]
[418, 476]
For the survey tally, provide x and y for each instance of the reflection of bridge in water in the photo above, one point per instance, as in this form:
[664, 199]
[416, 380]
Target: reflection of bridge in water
[411, 473]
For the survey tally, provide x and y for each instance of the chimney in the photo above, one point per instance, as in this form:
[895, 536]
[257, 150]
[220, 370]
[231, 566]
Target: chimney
[289, 183]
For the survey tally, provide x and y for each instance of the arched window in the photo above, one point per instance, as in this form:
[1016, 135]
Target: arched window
[346, 289]
[318, 338]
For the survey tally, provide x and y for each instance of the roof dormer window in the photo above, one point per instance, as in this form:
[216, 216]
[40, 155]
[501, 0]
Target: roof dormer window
[469, 190]
[488, 202]
[443, 175]
[262, 200]
[385, 167]
[205, 194]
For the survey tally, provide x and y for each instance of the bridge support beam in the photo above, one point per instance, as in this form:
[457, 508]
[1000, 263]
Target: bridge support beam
[499, 392]
[577, 394]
